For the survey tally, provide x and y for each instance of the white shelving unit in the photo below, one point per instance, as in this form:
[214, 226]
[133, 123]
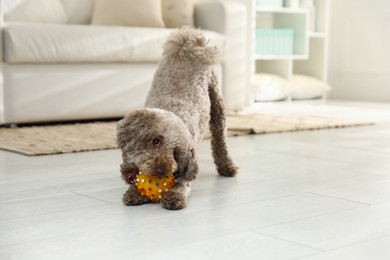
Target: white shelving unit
[310, 40]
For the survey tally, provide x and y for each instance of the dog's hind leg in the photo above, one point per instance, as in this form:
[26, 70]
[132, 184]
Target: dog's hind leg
[222, 159]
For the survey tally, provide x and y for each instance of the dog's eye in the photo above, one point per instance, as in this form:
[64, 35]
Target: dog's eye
[156, 141]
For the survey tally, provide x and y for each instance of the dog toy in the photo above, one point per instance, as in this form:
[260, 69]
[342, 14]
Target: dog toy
[153, 187]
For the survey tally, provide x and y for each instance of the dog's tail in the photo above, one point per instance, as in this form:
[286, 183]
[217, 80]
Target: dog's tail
[223, 161]
[190, 44]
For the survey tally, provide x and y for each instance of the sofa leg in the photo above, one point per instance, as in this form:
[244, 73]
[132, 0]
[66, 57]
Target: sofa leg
[10, 126]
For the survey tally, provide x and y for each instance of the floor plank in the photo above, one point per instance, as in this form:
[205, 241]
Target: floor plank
[338, 229]
[377, 249]
[245, 245]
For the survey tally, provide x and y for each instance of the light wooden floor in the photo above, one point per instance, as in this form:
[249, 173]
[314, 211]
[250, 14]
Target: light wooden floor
[308, 195]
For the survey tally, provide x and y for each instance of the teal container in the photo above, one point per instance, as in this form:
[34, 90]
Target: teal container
[270, 3]
[275, 42]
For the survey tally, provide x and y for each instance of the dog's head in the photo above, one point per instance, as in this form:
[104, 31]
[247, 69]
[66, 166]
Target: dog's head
[156, 142]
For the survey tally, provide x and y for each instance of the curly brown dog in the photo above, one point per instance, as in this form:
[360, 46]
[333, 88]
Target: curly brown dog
[163, 137]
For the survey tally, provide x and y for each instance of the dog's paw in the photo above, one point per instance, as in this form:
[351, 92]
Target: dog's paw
[174, 200]
[229, 170]
[133, 198]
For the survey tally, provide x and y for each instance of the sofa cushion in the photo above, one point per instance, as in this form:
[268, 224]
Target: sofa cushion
[128, 13]
[177, 13]
[79, 11]
[34, 11]
[270, 87]
[33, 43]
[306, 87]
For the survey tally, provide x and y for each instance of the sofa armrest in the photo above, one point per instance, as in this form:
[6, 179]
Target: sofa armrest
[2, 119]
[230, 19]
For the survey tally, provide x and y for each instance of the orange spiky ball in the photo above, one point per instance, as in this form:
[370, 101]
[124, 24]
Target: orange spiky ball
[154, 187]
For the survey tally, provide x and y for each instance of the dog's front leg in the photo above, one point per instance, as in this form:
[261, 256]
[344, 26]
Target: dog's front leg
[132, 197]
[177, 196]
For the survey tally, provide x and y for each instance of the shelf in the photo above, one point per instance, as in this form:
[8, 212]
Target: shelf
[310, 41]
[280, 57]
[281, 10]
[317, 35]
[316, 64]
[273, 57]
[301, 57]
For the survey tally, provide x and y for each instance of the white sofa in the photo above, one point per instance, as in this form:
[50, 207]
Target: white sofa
[79, 71]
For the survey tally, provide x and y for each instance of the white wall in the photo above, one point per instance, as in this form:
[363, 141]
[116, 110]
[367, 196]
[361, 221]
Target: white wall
[359, 62]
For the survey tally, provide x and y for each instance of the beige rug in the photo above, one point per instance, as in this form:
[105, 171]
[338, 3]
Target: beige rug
[68, 138]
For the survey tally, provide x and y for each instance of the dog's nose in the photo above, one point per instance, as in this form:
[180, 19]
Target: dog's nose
[159, 170]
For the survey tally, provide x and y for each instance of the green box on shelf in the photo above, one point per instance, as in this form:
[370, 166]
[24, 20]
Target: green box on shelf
[270, 3]
[274, 42]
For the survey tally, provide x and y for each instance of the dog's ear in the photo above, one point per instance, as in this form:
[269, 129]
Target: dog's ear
[188, 165]
[126, 127]
[134, 124]
[122, 131]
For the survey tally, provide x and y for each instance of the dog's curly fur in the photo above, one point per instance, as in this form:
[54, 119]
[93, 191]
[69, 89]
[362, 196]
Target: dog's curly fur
[163, 137]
